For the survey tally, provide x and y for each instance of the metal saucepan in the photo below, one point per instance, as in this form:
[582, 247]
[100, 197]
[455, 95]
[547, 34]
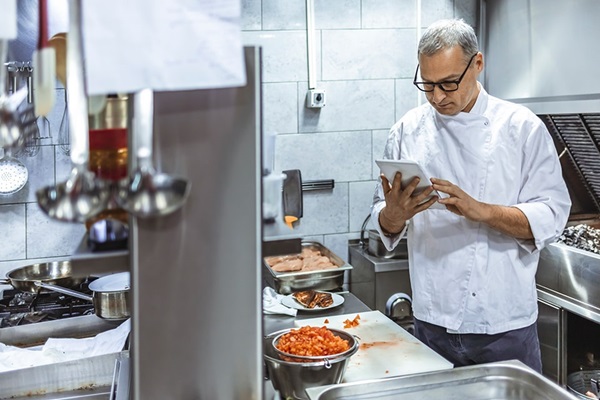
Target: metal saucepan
[110, 295]
[53, 273]
[375, 246]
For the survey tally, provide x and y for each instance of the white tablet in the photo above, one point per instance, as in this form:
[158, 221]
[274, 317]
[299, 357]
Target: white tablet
[409, 170]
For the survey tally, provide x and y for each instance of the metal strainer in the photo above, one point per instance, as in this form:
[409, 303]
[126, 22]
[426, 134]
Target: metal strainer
[13, 175]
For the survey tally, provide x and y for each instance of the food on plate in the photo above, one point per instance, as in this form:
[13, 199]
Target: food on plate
[321, 299]
[352, 324]
[308, 260]
[312, 298]
[311, 341]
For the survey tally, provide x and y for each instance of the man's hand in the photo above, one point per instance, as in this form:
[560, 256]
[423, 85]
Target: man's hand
[401, 205]
[508, 220]
[459, 202]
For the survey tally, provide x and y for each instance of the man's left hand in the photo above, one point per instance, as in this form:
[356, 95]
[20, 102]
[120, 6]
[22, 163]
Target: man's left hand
[458, 201]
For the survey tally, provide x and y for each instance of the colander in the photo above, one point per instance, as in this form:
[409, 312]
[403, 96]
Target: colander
[13, 175]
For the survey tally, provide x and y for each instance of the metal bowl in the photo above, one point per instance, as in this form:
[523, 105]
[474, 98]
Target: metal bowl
[353, 346]
[292, 378]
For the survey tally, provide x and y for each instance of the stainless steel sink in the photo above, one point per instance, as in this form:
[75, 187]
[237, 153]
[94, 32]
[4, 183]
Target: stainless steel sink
[494, 381]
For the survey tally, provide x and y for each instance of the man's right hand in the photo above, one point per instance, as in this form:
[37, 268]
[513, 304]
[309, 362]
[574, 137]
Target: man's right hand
[401, 205]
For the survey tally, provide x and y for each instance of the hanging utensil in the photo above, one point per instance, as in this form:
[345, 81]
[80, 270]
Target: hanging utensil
[59, 43]
[13, 174]
[31, 139]
[44, 61]
[82, 195]
[11, 125]
[63, 130]
[148, 193]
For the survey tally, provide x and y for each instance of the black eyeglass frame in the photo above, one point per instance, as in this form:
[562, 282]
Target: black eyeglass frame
[440, 84]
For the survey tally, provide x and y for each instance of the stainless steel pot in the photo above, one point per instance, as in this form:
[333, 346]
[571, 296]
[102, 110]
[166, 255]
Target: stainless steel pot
[375, 246]
[292, 378]
[110, 295]
[53, 273]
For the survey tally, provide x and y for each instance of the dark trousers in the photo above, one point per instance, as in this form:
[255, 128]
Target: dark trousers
[469, 349]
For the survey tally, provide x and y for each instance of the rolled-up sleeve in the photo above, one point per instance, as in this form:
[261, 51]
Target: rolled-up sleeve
[544, 197]
[391, 152]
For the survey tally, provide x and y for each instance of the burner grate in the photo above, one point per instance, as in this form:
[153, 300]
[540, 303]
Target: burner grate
[21, 308]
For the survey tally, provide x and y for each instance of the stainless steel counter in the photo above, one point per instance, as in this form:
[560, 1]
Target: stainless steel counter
[569, 278]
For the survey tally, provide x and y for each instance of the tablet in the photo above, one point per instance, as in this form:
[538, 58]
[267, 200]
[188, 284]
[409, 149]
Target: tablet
[409, 170]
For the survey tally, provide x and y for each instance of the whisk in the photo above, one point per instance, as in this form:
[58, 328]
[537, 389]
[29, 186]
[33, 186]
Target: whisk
[31, 141]
[63, 131]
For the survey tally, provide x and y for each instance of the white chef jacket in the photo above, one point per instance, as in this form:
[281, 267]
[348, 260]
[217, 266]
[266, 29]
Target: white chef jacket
[466, 276]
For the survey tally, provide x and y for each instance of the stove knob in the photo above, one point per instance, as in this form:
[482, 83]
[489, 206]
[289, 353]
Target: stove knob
[398, 306]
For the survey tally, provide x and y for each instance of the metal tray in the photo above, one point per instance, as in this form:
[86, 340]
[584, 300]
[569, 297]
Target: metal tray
[508, 380]
[289, 282]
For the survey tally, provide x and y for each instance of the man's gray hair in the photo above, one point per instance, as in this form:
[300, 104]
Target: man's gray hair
[447, 33]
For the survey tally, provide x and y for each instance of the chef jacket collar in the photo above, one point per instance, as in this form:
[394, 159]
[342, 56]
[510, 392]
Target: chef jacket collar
[477, 110]
[481, 102]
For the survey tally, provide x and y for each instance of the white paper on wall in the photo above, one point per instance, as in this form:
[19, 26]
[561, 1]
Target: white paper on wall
[8, 19]
[163, 45]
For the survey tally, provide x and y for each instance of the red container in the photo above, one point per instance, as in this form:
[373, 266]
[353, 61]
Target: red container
[108, 153]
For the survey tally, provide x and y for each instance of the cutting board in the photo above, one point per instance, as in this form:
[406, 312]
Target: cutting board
[386, 349]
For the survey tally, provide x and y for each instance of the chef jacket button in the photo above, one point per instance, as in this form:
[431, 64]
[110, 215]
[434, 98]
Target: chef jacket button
[473, 294]
[486, 123]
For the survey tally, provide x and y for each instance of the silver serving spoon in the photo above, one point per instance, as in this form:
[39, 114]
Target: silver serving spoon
[81, 196]
[148, 193]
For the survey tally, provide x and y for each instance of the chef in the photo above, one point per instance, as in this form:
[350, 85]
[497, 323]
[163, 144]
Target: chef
[495, 168]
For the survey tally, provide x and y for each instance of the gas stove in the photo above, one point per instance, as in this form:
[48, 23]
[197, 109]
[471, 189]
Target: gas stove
[22, 308]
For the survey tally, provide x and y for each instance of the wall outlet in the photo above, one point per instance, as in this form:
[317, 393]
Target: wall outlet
[315, 98]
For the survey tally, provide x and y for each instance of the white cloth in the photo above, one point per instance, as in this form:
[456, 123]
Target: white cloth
[466, 276]
[57, 350]
[272, 303]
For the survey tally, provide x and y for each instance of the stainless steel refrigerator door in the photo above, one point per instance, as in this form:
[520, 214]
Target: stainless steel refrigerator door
[195, 273]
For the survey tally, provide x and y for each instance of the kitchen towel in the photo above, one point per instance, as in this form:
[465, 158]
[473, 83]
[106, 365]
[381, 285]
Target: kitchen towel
[272, 303]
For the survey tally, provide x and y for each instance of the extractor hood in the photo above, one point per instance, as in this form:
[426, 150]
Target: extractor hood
[542, 53]
[577, 140]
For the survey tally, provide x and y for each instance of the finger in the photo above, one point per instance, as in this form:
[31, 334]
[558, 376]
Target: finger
[426, 205]
[385, 186]
[425, 194]
[439, 181]
[397, 181]
[384, 181]
[410, 188]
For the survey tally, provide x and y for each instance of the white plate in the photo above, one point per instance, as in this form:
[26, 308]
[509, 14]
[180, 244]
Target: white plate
[290, 301]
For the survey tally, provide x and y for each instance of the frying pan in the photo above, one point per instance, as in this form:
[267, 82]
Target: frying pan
[110, 295]
[53, 273]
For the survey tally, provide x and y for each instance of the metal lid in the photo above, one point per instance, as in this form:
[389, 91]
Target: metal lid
[111, 283]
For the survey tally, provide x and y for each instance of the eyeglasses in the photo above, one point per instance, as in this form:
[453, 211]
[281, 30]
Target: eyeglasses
[446, 86]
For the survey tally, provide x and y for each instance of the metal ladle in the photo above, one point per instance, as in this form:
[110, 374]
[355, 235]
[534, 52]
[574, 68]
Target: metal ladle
[11, 125]
[81, 196]
[148, 193]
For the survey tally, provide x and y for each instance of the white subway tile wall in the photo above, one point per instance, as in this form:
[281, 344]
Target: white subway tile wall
[365, 57]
